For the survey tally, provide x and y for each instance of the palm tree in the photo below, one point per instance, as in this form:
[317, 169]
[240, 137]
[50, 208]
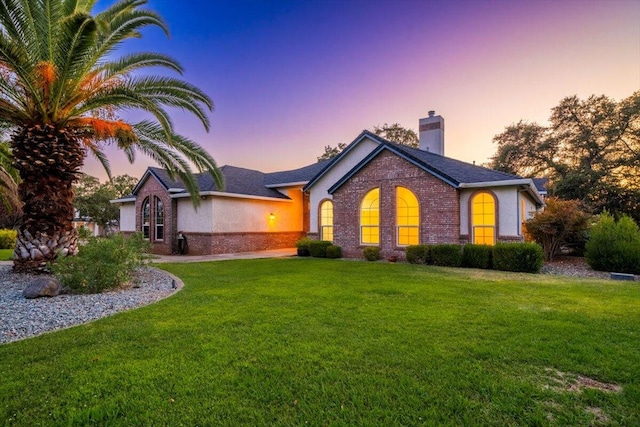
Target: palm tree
[62, 87]
[8, 178]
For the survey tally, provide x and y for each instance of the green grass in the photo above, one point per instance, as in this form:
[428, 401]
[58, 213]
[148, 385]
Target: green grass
[6, 254]
[327, 342]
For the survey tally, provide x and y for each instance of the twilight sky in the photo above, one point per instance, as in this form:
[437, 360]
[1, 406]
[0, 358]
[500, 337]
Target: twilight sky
[289, 77]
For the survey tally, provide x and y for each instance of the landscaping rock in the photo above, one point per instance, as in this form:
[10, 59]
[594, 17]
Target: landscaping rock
[42, 287]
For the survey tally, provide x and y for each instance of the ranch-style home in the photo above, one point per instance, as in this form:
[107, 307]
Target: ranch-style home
[375, 193]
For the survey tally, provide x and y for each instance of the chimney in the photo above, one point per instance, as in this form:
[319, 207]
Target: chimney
[432, 134]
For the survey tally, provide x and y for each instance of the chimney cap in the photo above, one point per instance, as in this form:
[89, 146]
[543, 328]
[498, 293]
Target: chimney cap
[432, 113]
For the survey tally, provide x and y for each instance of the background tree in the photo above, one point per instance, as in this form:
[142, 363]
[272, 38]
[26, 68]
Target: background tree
[561, 223]
[394, 133]
[397, 133]
[62, 87]
[92, 199]
[590, 152]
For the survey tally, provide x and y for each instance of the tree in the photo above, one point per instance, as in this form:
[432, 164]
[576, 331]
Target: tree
[62, 87]
[92, 199]
[590, 151]
[10, 205]
[331, 152]
[397, 133]
[394, 133]
[561, 223]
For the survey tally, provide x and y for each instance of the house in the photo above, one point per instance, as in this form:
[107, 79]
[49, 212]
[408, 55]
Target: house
[374, 193]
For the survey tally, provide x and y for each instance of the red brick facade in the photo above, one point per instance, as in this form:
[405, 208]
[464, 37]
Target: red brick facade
[224, 243]
[152, 189]
[439, 205]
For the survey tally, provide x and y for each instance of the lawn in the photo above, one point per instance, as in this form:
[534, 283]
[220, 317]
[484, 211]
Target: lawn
[332, 342]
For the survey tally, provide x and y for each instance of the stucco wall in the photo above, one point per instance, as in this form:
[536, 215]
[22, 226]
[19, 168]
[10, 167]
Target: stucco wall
[195, 221]
[319, 192]
[128, 217]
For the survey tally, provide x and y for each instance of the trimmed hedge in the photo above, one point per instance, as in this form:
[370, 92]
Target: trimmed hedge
[417, 254]
[477, 256]
[8, 238]
[371, 253]
[334, 251]
[446, 255]
[318, 248]
[519, 257]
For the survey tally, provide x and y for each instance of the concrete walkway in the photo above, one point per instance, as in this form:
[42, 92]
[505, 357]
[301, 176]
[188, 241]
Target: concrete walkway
[276, 253]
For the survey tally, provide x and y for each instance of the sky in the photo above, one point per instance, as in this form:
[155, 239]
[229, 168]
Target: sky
[290, 77]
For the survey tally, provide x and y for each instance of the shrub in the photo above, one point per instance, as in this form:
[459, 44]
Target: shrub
[8, 239]
[477, 256]
[562, 223]
[303, 246]
[83, 232]
[614, 246]
[318, 248]
[520, 257]
[103, 263]
[417, 254]
[334, 251]
[371, 253]
[446, 255]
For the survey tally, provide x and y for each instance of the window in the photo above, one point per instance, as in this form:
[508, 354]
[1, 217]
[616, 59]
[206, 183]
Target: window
[370, 218]
[326, 220]
[407, 217]
[159, 219]
[146, 218]
[483, 211]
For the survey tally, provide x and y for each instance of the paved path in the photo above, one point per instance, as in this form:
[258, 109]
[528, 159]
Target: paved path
[276, 253]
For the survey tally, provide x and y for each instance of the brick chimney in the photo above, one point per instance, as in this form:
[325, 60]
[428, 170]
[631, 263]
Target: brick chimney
[432, 134]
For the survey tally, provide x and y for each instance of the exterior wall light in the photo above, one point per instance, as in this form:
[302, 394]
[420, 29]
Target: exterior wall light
[272, 217]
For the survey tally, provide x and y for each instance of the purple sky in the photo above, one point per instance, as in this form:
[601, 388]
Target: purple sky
[289, 77]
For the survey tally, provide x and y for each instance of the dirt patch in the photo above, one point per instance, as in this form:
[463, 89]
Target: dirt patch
[566, 381]
[598, 414]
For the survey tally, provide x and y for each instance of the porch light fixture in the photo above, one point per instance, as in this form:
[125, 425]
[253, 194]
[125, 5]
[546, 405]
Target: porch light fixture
[272, 217]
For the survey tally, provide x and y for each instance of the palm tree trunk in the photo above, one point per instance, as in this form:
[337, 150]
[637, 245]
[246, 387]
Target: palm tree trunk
[49, 161]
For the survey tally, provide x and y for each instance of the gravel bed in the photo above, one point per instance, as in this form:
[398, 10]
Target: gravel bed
[23, 318]
[574, 266]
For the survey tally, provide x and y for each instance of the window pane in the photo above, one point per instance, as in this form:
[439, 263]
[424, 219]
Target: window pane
[370, 218]
[483, 218]
[407, 217]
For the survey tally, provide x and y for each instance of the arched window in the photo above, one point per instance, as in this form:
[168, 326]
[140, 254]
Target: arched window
[407, 217]
[159, 219]
[483, 211]
[370, 218]
[326, 220]
[146, 218]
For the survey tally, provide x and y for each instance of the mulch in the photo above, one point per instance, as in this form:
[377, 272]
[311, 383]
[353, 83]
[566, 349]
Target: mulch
[575, 267]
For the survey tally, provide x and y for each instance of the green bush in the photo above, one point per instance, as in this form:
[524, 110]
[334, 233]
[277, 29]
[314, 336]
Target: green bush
[318, 248]
[303, 246]
[417, 254]
[476, 256]
[446, 255]
[103, 263]
[520, 257]
[334, 251]
[614, 246]
[8, 238]
[371, 253]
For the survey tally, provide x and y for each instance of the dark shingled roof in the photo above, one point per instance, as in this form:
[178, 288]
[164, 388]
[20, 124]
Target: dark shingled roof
[541, 184]
[303, 174]
[237, 181]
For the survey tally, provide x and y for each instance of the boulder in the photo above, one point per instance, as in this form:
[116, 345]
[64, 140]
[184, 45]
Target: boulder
[42, 287]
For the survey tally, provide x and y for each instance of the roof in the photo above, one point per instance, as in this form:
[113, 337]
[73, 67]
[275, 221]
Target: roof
[541, 184]
[239, 181]
[304, 174]
[453, 171]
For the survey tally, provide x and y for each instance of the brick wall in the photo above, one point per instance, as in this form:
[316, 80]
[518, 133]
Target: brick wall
[152, 188]
[222, 243]
[439, 206]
